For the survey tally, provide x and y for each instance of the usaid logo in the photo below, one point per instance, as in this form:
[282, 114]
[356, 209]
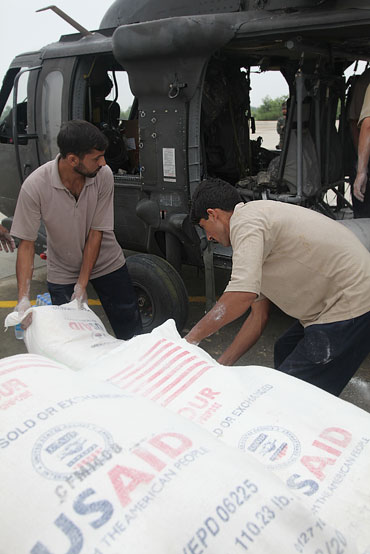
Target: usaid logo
[67, 448]
[274, 446]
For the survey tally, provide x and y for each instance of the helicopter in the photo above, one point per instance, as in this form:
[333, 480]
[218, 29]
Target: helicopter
[189, 68]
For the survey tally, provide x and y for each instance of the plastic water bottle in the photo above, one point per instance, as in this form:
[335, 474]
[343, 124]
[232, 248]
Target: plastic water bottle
[41, 300]
[18, 331]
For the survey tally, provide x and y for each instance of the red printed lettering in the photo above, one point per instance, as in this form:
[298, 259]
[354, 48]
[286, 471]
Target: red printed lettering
[327, 448]
[163, 443]
[209, 393]
[75, 325]
[149, 458]
[10, 387]
[315, 465]
[200, 402]
[123, 490]
[337, 436]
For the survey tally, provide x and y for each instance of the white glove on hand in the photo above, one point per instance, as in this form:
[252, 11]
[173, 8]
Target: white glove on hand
[23, 305]
[80, 295]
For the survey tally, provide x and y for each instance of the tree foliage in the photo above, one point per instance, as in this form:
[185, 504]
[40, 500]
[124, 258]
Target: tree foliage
[125, 113]
[270, 109]
[5, 112]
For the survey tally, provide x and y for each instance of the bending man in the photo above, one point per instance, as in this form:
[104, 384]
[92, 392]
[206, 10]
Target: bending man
[73, 195]
[310, 266]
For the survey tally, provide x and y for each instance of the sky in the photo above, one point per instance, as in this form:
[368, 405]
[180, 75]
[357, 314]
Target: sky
[22, 30]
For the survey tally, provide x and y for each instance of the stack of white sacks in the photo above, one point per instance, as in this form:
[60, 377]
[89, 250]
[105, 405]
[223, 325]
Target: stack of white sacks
[153, 447]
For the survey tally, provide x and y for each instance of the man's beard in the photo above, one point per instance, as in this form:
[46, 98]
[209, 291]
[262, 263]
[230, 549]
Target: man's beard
[80, 169]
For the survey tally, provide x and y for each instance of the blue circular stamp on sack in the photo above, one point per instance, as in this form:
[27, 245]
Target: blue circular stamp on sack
[274, 446]
[65, 449]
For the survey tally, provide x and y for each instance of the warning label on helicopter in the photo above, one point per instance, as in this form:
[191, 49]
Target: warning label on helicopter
[169, 165]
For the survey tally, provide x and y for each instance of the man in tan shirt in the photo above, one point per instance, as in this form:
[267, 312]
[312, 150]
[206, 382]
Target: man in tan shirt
[310, 266]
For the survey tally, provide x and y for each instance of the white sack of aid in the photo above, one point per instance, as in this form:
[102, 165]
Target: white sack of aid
[318, 445]
[66, 334]
[88, 469]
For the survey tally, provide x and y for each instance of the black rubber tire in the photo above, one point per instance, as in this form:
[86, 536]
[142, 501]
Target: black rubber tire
[160, 290]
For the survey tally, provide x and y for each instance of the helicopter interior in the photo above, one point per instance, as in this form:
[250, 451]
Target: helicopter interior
[316, 120]
[102, 107]
[230, 148]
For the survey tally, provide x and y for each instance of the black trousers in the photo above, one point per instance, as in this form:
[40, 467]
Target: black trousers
[117, 296]
[326, 355]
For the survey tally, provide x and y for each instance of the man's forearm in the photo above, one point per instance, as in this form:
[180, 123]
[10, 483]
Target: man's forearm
[230, 306]
[24, 267]
[90, 255]
[249, 333]
[360, 183]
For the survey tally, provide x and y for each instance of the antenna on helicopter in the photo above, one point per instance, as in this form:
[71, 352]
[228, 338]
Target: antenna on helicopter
[66, 17]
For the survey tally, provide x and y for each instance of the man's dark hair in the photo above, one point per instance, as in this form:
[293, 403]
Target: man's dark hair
[213, 193]
[80, 137]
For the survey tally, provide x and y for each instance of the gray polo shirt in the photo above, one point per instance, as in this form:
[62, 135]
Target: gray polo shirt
[68, 222]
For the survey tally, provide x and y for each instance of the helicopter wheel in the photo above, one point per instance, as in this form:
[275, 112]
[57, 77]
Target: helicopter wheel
[160, 291]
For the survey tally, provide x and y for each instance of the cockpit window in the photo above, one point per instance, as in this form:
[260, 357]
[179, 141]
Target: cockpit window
[102, 96]
[6, 105]
[51, 113]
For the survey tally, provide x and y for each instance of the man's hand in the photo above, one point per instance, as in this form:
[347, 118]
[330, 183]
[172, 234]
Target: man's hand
[23, 305]
[359, 186]
[80, 295]
[6, 240]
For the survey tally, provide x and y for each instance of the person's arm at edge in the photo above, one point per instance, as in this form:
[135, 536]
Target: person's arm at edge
[6, 240]
[229, 307]
[359, 186]
[248, 334]
[24, 267]
[90, 255]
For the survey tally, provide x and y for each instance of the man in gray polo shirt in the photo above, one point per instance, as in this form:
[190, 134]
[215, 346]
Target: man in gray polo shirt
[313, 268]
[73, 196]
